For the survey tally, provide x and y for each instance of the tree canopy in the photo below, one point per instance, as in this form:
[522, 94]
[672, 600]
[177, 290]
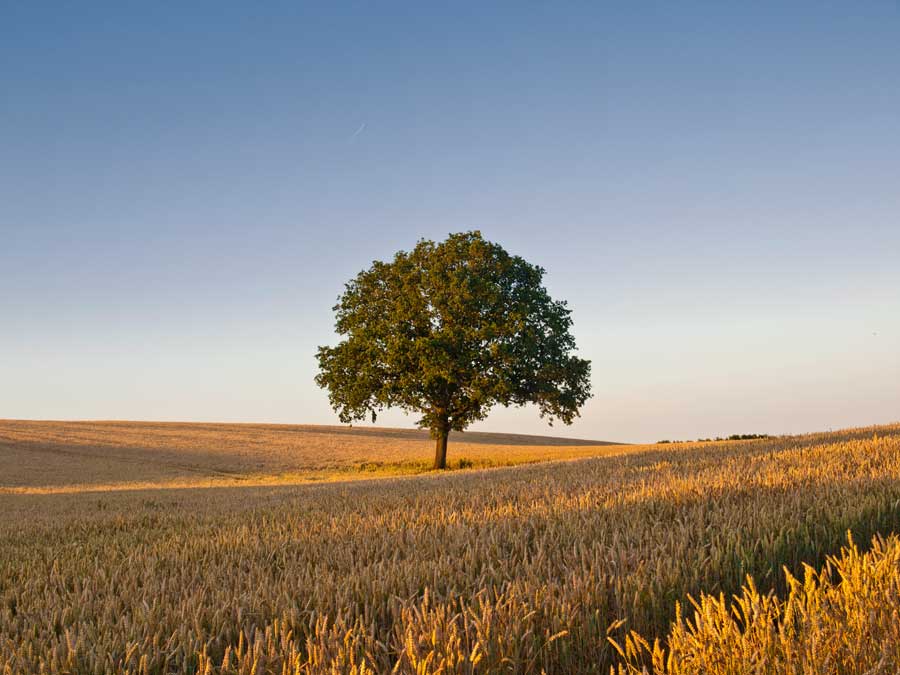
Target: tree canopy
[448, 330]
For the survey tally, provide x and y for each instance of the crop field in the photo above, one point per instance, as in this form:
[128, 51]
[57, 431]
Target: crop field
[557, 567]
[844, 619]
[72, 456]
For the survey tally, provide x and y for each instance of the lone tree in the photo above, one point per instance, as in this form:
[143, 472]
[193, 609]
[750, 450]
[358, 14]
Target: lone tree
[448, 330]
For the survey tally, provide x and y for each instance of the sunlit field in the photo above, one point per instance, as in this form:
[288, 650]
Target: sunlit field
[842, 619]
[74, 456]
[556, 567]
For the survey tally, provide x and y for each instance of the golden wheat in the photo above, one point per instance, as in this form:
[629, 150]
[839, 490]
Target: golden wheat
[526, 569]
[845, 619]
[78, 456]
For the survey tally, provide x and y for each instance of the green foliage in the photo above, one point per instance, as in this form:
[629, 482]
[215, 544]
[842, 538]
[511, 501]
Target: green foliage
[448, 330]
[718, 439]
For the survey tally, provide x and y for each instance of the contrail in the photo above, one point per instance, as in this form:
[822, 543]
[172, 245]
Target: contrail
[362, 127]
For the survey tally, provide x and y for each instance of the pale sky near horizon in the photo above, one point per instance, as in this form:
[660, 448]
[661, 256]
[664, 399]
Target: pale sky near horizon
[714, 188]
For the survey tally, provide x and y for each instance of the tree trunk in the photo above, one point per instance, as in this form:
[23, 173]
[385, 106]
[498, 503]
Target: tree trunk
[440, 448]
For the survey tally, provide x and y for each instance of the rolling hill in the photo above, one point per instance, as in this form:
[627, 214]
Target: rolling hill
[67, 456]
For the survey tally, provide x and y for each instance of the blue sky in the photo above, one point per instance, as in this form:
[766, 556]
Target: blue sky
[712, 186]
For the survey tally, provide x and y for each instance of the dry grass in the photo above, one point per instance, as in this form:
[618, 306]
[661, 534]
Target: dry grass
[523, 569]
[71, 456]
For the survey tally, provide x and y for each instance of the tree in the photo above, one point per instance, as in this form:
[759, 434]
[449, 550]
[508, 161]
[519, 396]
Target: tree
[448, 330]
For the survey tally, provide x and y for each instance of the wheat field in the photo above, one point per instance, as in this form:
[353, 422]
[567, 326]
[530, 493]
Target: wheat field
[72, 456]
[842, 619]
[557, 567]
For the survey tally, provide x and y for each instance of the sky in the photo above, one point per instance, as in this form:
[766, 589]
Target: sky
[713, 187]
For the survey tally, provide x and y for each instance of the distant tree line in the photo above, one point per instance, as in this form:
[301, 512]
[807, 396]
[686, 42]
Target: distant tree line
[733, 437]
